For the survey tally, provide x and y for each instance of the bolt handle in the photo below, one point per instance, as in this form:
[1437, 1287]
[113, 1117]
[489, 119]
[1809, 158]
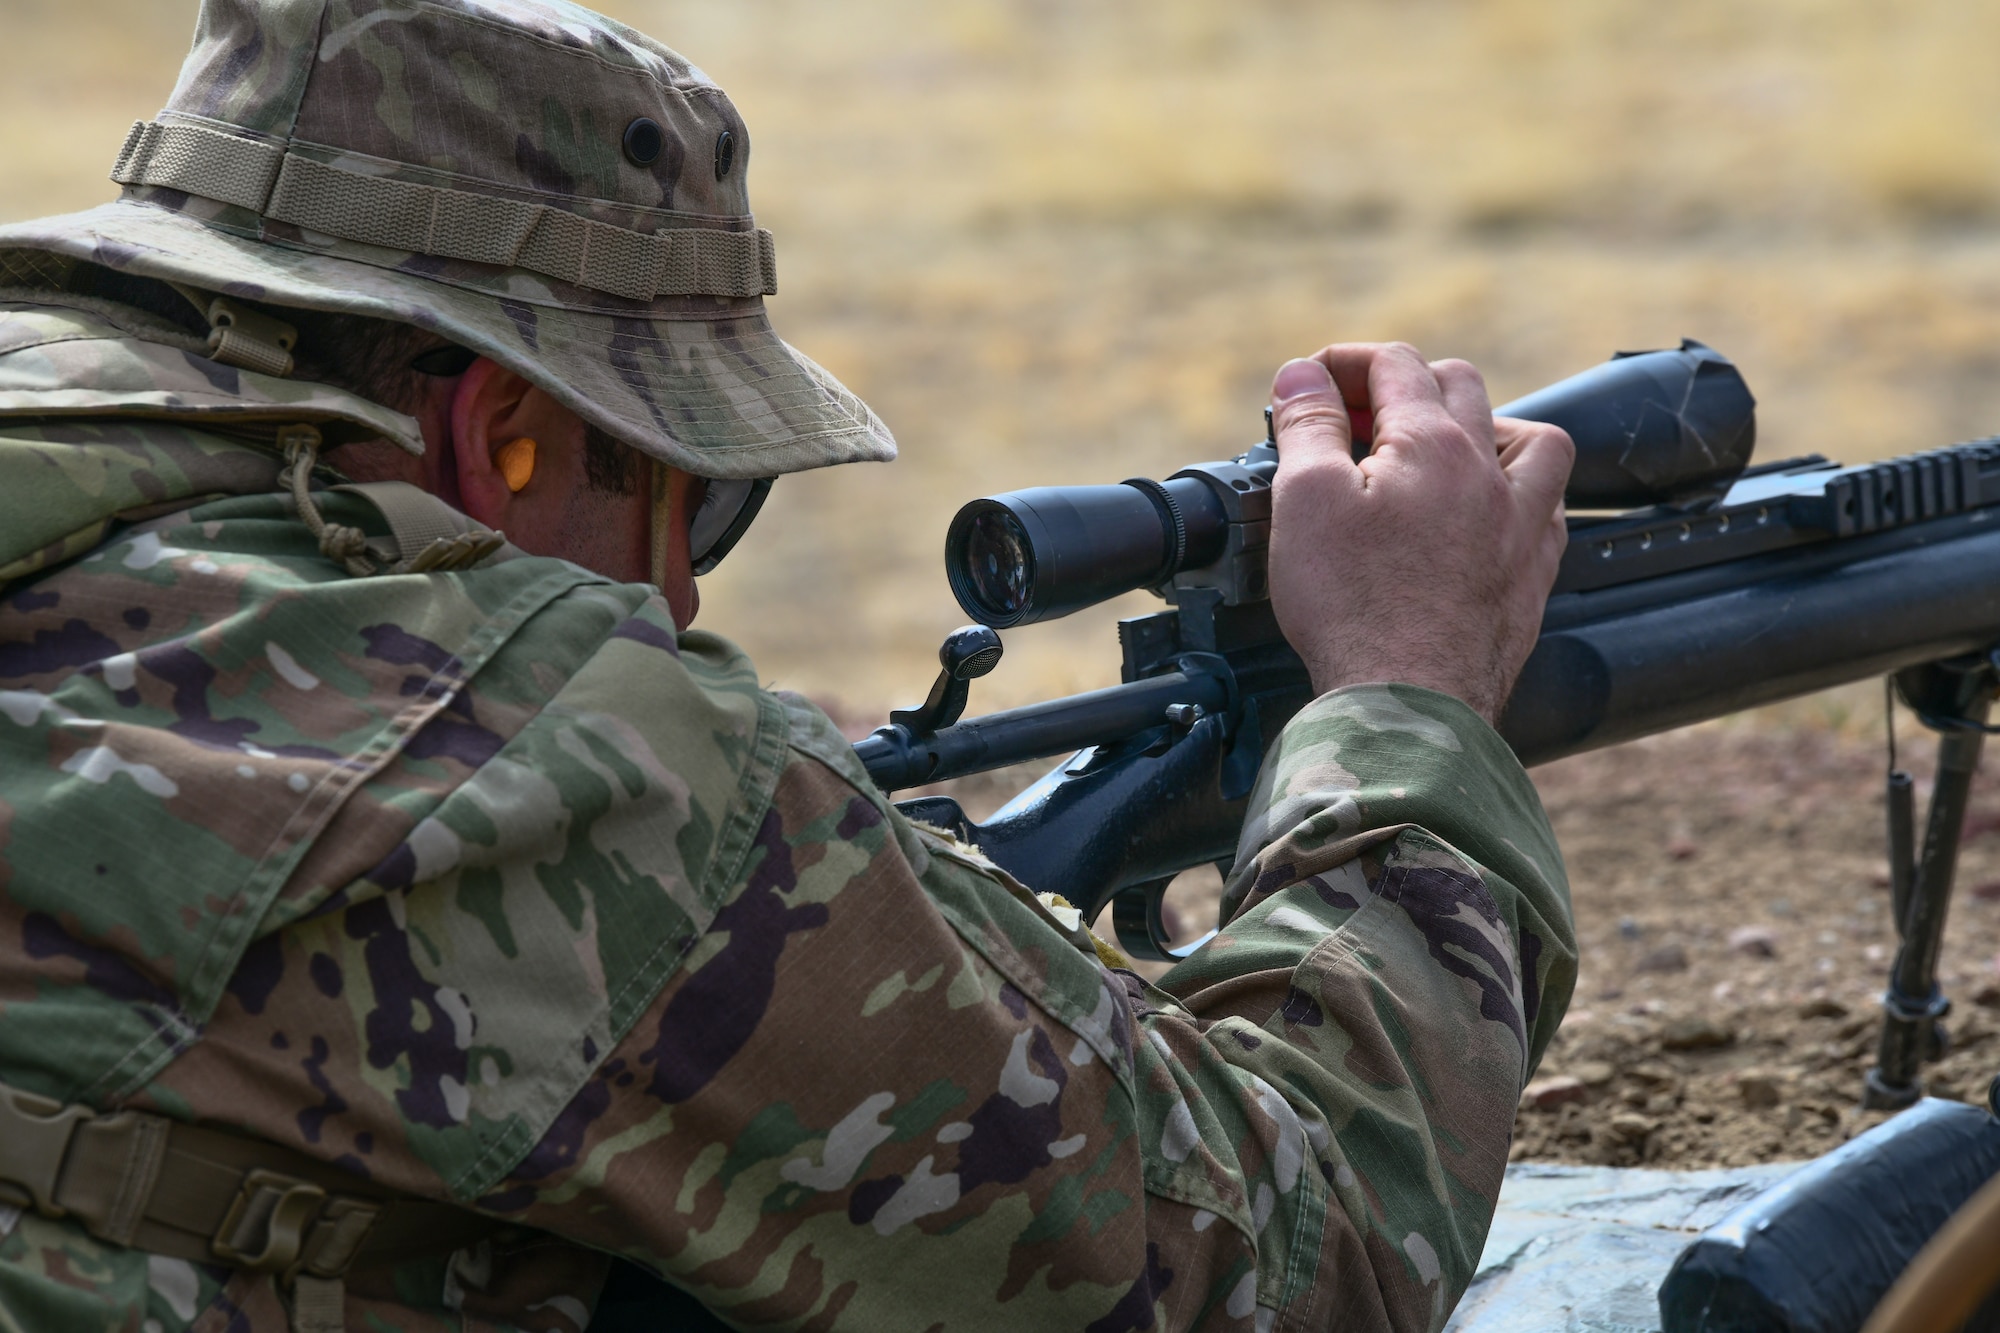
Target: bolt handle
[969, 652]
[965, 655]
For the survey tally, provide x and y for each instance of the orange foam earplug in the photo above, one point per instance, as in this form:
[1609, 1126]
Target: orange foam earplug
[517, 462]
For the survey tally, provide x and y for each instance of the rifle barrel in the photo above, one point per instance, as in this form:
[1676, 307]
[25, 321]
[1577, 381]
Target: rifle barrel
[1619, 663]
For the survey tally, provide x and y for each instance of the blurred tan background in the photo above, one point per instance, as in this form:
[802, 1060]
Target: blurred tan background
[1053, 241]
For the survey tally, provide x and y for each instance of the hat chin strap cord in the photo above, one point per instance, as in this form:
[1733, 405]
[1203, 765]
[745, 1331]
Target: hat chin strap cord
[426, 536]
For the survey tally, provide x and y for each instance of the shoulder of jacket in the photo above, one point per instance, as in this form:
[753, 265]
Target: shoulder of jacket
[813, 734]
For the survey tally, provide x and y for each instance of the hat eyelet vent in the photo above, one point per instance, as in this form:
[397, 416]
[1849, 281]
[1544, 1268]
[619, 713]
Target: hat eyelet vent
[643, 141]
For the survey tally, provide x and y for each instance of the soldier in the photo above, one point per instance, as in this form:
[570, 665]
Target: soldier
[398, 921]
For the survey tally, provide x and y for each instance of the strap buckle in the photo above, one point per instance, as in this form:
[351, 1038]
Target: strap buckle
[34, 1138]
[334, 1243]
[266, 1225]
[281, 1224]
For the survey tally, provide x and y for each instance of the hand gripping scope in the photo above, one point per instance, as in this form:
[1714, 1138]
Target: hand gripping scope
[1671, 427]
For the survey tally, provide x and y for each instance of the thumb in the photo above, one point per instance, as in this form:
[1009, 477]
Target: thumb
[1308, 416]
[1537, 459]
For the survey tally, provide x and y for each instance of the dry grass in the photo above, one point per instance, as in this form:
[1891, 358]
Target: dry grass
[1057, 241]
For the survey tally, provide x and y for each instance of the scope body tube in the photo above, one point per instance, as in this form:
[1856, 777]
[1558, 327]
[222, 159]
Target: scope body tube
[1047, 551]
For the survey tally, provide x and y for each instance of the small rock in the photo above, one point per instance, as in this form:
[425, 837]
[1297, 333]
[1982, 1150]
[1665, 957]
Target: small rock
[1986, 892]
[1754, 941]
[1630, 928]
[1696, 1034]
[1666, 958]
[1779, 907]
[1825, 1006]
[1759, 1088]
[1987, 996]
[1655, 1072]
[1545, 1094]
[1680, 847]
[1633, 1128]
[1594, 1073]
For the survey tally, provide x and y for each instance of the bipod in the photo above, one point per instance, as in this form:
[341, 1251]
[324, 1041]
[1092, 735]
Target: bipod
[1952, 698]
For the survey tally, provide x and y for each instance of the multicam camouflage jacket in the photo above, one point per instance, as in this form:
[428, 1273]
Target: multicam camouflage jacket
[497, 888]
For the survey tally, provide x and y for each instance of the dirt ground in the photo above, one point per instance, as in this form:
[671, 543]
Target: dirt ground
[1732, 907]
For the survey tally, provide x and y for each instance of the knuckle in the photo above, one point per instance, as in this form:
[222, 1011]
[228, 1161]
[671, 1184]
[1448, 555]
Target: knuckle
[1536, 435]
[1312, 413]
[1304, 475]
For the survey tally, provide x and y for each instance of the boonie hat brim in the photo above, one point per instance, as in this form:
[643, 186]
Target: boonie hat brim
[713, 391]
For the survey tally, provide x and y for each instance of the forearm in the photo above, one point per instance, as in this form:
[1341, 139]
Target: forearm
[1400, 952]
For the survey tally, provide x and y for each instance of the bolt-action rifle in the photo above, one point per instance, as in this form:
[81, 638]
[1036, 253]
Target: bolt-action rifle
[1694, 585]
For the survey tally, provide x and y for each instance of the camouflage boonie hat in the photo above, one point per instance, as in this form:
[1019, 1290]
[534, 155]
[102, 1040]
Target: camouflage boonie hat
[527, 178]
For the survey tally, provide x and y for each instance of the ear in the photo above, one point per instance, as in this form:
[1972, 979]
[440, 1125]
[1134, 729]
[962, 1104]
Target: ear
[556, 510]
[490, 409]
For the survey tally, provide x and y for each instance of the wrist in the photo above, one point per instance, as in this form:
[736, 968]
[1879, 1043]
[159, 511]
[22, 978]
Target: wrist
[1485, 697]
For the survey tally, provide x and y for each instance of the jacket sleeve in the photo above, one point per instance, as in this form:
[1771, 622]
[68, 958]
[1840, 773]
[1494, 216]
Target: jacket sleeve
[1398, 952]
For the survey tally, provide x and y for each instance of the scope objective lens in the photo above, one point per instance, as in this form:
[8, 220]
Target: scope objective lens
[999, 563]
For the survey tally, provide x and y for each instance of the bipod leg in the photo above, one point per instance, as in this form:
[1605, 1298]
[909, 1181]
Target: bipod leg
[1953, 699]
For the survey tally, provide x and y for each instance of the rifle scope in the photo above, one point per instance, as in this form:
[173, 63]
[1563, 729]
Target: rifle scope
[1671, 427]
